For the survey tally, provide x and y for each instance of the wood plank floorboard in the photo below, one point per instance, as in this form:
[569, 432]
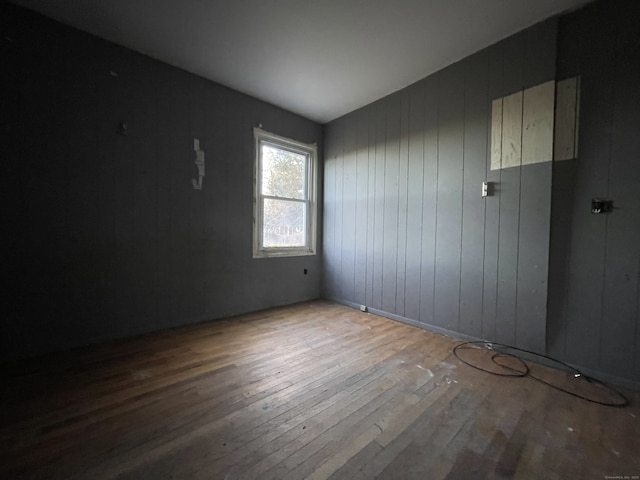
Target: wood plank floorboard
[309, 391]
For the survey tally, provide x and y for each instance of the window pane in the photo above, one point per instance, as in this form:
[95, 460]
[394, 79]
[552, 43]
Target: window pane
[284, 224]
[283, 173]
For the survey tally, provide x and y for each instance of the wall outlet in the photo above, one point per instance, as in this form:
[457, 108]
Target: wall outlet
[363, 308]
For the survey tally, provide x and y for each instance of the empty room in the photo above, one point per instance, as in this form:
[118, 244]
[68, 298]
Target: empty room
[323, 239]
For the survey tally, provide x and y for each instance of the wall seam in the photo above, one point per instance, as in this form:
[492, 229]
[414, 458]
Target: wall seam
[487, 158]
[464, 133]
[406, 199]
[495, 318]
[355, 207]
[366, 259]
[435, 229]
[375, 239]
[398, 208]
[612, 105]
[342, 174]
[422, 208]
[515, 323]
[384, 197]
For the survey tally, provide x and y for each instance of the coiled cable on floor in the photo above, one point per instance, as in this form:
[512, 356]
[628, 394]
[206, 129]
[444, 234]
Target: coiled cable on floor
[503, 353]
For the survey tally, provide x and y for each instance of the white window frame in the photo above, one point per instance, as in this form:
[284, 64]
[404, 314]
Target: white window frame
[311, 150]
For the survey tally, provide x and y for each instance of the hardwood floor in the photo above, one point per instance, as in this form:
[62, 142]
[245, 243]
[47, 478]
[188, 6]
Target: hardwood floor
[315, 390]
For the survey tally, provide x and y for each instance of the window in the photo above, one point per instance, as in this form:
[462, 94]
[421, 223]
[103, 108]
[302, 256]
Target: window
[285, 197]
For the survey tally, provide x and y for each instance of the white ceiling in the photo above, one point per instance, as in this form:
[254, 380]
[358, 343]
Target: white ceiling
[318, 58]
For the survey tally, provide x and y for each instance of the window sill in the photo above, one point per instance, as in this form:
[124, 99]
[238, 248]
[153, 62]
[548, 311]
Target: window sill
[283, 253]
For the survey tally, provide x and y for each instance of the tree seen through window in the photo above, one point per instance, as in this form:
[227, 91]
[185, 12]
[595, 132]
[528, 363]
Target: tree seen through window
[283, 177]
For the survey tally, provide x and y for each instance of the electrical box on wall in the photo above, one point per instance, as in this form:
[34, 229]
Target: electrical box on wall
[601, 206]
[487, 189]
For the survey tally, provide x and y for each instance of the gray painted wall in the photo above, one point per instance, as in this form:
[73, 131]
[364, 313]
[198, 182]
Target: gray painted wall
[408, 235]
[594, 298]
[103, 235]
[406, 230]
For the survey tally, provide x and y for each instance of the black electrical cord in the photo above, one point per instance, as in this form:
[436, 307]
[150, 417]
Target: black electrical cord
[508, 371]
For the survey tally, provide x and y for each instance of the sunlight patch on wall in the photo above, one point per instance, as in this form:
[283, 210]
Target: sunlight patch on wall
[567, 116]
[525, 129]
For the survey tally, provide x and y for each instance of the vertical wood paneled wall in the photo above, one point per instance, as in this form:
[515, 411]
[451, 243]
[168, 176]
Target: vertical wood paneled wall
[103, 235]
[406, 230]
[594, 300]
